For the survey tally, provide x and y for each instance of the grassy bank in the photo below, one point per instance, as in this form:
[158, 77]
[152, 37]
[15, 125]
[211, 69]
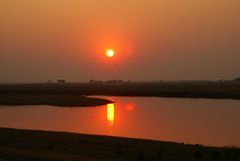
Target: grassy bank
[19, 145]
[205, 89]
[52, 100]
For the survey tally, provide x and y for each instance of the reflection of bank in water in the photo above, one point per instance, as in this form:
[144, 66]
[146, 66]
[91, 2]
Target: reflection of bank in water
[110, 114]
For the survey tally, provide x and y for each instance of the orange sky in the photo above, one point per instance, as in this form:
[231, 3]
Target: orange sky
[153, 40]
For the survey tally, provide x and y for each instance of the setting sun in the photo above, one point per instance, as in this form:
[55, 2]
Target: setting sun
[110, 53]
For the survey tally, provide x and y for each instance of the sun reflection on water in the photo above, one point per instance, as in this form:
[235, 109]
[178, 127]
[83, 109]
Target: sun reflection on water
[110, 114]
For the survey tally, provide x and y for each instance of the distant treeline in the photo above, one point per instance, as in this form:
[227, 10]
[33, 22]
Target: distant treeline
[189, 89]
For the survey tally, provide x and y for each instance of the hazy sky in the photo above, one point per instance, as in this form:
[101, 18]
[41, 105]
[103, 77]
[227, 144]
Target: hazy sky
[153, 39]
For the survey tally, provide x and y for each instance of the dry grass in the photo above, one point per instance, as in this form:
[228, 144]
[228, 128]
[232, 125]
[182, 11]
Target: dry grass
[19, 145]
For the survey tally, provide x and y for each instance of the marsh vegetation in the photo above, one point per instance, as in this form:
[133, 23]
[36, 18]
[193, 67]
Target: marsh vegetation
[29, 145]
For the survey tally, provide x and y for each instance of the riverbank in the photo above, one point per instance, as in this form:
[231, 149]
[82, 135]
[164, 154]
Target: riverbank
[52, 100]
[29, 145]
[187, 89]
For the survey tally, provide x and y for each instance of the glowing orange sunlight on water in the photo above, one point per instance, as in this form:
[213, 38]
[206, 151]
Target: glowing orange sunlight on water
[130, 107]
[110, 113]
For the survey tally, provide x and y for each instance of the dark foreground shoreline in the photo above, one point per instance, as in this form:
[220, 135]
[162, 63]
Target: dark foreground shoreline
[51, 100]
[189, 89]
[29, 145]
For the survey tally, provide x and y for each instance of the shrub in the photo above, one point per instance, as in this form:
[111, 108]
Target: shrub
[237, 79]
[159, 154]
[198, 155]
[215, 155]
[119, 151]
[141, 157]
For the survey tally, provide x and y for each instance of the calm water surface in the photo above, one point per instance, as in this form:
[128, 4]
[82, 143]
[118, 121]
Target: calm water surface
[195, 121]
